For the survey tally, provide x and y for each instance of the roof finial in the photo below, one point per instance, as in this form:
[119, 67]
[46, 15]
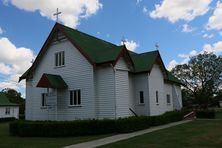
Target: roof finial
[157, 46]
[57, 14]
[123, 40]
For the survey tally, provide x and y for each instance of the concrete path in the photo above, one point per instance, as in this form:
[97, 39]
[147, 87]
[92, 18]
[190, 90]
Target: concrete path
[115, 138]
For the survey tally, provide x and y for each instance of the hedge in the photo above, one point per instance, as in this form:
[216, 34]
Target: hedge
[90, 127]
[7, 119]
[210, 114]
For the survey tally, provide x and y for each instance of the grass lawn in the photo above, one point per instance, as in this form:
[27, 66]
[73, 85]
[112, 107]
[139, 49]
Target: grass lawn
[34, 142]
[195, 134]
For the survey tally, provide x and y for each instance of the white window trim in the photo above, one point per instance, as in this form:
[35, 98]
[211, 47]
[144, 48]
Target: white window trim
[78, 104]
[59, 55]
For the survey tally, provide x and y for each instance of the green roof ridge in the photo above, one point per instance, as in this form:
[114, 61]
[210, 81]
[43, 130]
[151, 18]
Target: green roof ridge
[4, 100]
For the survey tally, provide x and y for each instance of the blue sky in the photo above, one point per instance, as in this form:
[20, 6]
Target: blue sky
[181, 28]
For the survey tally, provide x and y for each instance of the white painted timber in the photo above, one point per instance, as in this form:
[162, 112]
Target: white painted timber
[13, 112]
[77, 73]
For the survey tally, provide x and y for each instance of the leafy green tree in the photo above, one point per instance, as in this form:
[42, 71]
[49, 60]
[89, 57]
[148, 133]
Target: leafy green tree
[202, 76]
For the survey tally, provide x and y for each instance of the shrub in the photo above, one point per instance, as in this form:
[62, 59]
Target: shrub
[90, 127]
[7, 119]
[205, 114]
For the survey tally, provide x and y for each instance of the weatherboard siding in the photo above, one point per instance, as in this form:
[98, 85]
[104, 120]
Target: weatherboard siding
[141, 84]
[105, 92]
[168, 91]
[77, 73]
[14, 112]
[156, 83]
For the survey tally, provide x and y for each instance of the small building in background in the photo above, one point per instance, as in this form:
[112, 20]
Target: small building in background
[8, 109]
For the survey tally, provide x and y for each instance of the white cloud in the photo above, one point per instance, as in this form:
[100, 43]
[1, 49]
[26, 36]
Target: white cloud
[175, 10]
[190, 54]
[1, 31]
[172, 64]
[214, 21]
[130, 45]
[209, 36]
[14, 62]
[145, 9]
[215, 48]
[187, 28]
[72, 10]
[138, 1]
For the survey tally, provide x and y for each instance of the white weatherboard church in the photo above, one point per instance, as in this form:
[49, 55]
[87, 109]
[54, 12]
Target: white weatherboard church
[78, 76]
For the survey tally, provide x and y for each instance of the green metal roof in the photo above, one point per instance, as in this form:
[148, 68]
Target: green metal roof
[4, 100]
[52, 81]
[144, 61]
[98, 50]
[172, 78]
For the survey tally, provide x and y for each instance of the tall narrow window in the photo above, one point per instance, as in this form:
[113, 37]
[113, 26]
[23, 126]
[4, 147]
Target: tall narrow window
[75, 97]
[168, 98]
[157, 97]
[60, 59]
[44, 99]
[141, 97]
[7, 110]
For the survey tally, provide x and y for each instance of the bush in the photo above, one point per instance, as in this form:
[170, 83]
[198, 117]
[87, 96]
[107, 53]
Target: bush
[210, 114]
[90, 127]
[7, 119]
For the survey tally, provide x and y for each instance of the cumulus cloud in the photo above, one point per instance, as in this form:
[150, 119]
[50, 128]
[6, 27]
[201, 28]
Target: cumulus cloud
[1, 31]
[209, 36]
[130, 45]
[215, 48]
[72, 10]
[145, 10]
[172, 64]
[187, 28]
[14, 61]
[175, 10]
[214, 21]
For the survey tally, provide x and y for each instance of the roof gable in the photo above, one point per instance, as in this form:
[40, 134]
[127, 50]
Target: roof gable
[4, 100]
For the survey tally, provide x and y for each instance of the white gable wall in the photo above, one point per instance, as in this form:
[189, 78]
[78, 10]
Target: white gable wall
[141, 84]
[168, 90]
[156, 83]
[105, 92]
[123, 98]
[77, 73]
[14, 112]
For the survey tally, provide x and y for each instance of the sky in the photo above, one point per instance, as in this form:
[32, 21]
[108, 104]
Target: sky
[181, 28]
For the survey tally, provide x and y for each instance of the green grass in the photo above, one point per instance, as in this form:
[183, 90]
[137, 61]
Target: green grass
[8, 141]
[218, 113]
[195, 134]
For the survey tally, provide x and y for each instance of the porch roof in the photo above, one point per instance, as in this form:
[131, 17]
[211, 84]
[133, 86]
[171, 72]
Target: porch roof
[52, 81]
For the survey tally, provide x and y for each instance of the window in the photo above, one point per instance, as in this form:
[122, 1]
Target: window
[60, 59]
[7, 110]
[44, 99]
[157, 97]
[75, 97]
[141, 97]
[168, 98]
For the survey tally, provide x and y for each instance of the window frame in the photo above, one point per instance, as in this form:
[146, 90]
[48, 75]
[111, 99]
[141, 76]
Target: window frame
[141, 97]
[59, 59]
[157, 97]
[43, 100]
[7, 111]
[168, 99]
[75, 97]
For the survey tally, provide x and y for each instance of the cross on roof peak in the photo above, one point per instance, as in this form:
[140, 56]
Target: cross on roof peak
[57, 14]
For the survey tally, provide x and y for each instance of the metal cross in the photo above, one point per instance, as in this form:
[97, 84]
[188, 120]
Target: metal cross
[157, 46]
[57, 14]
[123, 40]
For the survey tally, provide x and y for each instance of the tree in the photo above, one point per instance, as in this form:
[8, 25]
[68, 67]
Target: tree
[202, 76]
[15, 97]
